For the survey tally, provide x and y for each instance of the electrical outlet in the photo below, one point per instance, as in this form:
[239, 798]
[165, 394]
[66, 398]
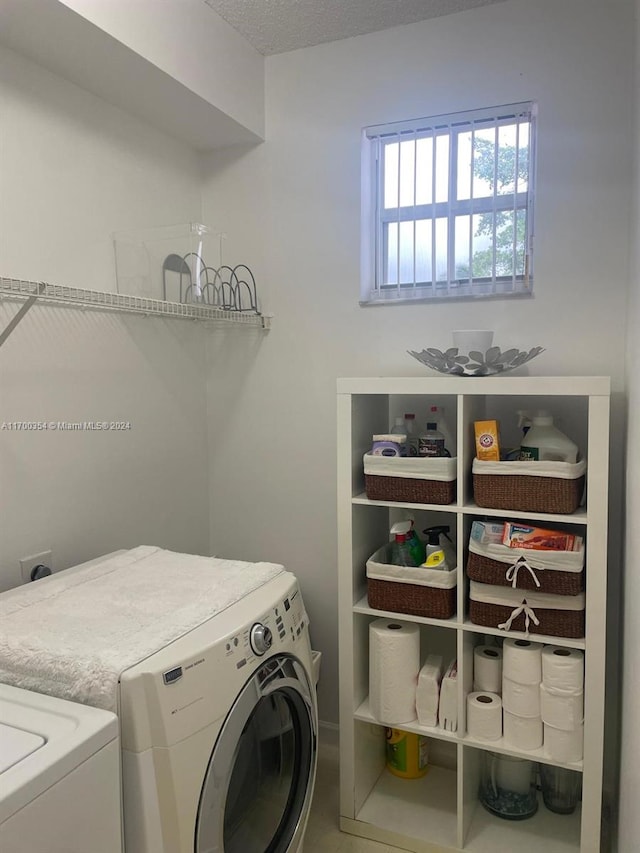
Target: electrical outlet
[27, 564]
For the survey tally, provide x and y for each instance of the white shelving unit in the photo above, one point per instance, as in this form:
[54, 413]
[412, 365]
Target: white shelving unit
[441, 811]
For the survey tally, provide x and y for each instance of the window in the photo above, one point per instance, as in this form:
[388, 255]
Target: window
[447, 206]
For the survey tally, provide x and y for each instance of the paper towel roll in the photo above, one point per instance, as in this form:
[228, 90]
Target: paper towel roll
[484, 716]
[563, 669]
[561, 710]
[521, 699]
[394, 662]
[522, 732]
[522, 661]
[562, 745]
[487, 669]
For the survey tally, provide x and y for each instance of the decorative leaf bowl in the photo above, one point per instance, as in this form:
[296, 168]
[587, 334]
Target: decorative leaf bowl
[489, 363]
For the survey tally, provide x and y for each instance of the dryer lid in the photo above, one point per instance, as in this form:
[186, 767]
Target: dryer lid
[16, 744]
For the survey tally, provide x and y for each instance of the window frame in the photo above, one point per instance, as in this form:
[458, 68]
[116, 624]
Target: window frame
[375, 218]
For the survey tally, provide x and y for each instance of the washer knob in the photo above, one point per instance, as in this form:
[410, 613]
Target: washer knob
[260, 638]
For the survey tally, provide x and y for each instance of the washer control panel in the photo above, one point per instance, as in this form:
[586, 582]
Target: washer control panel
[278, 626]
[260, 638]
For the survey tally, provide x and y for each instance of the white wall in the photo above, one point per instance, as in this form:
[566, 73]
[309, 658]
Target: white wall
[191, 43]
[296, 203]
[72, 170]
[175, 63]
[629, 821]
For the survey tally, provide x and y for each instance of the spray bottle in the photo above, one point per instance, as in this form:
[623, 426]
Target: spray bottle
[524, 421]
[400, 551]
[436, 557]
[524, 424]
[416, 545]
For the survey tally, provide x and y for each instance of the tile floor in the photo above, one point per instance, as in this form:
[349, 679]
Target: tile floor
[323, 834]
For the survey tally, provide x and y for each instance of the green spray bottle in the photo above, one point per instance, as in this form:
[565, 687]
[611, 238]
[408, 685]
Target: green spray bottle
[416, 545]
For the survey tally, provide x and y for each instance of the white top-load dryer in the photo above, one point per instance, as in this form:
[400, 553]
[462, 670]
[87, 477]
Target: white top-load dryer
[209, 666]
[59, 776]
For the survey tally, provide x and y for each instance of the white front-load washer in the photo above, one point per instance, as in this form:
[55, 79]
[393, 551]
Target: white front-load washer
[59, 776]
[219, 732]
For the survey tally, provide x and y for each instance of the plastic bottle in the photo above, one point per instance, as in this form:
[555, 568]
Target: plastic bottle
[412, 435]
[400, 552]
[546, 443]
[437, 416]
[524, 424]
[431, 442]
[435, 554]
[416, 545]
[399, 428]
[407, 754]
[524, 421]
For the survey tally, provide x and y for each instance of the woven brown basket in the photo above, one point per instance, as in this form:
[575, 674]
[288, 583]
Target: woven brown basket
[555, 623]
[408, 490]
[527, 493]
[411, 599]
[485, 570]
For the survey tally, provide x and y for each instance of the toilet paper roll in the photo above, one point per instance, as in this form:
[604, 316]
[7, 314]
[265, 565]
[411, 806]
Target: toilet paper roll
[487, 669]
[521, 699]
[522, 732]
[522, 661]
[484, 716]
[563, 669]
[394, 663]
[562, 745]
[561, 710]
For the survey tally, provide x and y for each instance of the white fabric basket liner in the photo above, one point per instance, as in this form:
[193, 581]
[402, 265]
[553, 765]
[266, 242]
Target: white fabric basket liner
[503, 595]
[377, 570]
[440, 468]
[559, 561]
[557, 470]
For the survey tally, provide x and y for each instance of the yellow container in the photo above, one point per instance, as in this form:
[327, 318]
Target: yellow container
[407, 754]
[487, 440]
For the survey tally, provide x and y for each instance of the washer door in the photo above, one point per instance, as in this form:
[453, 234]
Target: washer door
[259, 782]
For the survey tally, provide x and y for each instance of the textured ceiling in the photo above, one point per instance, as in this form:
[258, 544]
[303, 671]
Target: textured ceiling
[276, 26]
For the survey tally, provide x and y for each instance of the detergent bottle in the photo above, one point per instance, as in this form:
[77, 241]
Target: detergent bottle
[412, 435]
[400, 552]
[431, 442]
[407, 754]
[437, 416]
[545, 443]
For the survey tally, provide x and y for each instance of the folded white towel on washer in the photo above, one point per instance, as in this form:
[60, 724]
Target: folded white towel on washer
[73, 634]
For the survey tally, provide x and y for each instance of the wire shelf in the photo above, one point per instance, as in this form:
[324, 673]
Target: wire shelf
[97, 300]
